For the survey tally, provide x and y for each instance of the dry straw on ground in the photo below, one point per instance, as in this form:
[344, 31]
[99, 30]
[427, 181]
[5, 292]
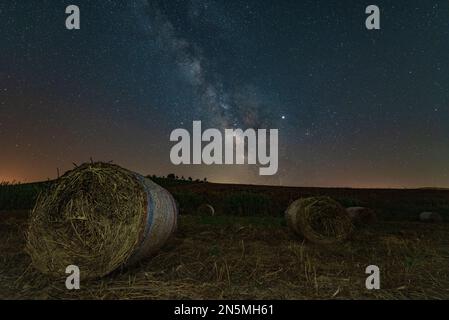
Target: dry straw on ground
[252, 258]
[98, 218]
[321, 220]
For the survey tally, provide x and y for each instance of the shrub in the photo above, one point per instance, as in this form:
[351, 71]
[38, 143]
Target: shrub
[246, 204]
[188, 201]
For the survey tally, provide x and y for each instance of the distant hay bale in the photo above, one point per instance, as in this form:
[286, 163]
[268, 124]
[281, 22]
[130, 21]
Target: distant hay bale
[320, 220]
[206, 210]
[431, 217]
[99, 217]
[362, 215]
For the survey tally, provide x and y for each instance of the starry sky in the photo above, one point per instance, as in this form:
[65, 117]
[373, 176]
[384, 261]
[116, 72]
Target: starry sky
[354, 108]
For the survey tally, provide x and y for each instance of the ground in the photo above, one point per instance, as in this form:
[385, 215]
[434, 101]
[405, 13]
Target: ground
[228, 257]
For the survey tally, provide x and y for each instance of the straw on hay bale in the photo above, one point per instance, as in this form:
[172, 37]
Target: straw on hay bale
[206, 210]
[99, 217]
[362, 215]
[320, 220]
[432, 217]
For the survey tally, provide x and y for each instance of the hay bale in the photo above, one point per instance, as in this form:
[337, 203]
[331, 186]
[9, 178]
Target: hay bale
[362, 215]
[99, 217]
[431, 217]
[206, 210]
[320, 220]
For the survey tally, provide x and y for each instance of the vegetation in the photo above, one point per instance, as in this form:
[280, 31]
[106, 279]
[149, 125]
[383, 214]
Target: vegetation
[173, 180]
[247, 252]
[20, 196]
[265, 200]
[246, 204]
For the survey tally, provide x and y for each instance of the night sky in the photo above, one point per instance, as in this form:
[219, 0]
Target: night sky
[353, 107]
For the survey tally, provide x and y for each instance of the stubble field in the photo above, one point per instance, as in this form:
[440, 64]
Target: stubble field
[251, 257]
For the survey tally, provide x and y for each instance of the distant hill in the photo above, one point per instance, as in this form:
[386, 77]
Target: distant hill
[256, 200]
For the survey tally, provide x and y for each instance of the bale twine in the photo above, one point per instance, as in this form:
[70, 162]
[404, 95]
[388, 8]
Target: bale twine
[99, 217]
[362, 215]
[431, 217]
[320, 220]
[206, 210]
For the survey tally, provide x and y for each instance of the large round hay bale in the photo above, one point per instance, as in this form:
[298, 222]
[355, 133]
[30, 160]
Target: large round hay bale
[431, 217]
[362, 215]
[320, 220]
[206, 210]
[99, 217]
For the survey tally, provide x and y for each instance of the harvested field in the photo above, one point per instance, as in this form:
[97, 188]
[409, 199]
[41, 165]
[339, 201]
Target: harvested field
[228, 257]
